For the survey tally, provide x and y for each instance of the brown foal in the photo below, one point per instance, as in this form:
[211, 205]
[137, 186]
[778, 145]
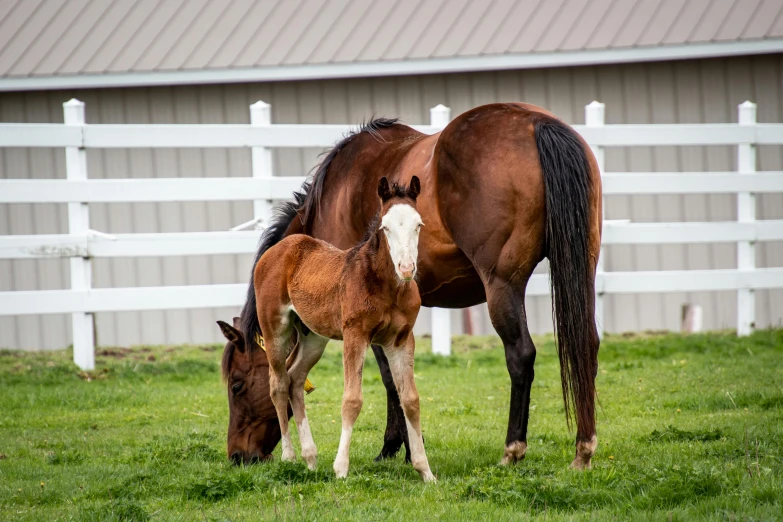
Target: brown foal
[307, 289]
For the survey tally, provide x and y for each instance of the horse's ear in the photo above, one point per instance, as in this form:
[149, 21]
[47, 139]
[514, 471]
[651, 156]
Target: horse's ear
[233, 335]
[237, 323]
[383, 189]
[414, 189]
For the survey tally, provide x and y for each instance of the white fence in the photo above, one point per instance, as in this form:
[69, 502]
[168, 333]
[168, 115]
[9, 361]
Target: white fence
[82, 244]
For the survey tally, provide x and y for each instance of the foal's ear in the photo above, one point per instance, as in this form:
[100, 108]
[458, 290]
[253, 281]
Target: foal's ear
[233, 335]
[383, 189]
[414, 189]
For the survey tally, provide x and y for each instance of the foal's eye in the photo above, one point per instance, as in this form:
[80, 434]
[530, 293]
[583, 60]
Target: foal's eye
[237, 387]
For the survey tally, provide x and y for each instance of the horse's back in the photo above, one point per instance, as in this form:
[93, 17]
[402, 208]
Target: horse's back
[490, 186]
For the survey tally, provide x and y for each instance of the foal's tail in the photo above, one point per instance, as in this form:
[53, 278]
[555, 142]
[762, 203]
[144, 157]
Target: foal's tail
[566, 173]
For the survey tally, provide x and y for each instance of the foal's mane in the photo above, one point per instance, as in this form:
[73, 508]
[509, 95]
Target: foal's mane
[306, 203]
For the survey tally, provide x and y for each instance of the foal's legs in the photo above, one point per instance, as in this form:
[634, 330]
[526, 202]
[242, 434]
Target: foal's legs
[401, 364]
[311, 348]
[354, 349]
[396, 433]
[279, 384]
[506, 304]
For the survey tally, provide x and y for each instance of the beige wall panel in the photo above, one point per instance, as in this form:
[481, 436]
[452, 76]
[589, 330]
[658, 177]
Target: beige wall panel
[668, 92]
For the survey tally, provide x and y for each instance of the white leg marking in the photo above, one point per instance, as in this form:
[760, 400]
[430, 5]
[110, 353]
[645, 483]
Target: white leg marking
[341, 462]
[289, 455]
[309, 451]
[418, 456]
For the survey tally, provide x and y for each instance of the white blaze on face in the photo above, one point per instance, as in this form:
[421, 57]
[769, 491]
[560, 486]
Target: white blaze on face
[401, 224]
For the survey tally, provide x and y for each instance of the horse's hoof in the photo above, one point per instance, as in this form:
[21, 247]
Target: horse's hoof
[579, 464]
[514, 453]
[584, 454]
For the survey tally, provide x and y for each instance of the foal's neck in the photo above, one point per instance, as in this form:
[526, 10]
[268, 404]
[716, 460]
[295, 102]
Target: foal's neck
[379, 256]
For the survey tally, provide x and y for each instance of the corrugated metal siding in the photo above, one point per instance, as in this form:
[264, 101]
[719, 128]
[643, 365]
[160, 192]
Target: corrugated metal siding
[673, 92]
[67, 37]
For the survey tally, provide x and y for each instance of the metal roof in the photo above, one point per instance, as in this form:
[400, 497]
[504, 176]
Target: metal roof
[63, 40]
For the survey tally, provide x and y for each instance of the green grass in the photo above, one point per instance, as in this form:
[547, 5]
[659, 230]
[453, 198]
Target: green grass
[689, 428]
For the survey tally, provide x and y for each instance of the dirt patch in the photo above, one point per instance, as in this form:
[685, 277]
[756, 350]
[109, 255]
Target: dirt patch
[117, 353]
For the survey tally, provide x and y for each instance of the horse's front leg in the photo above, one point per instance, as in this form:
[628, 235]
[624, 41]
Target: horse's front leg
[354, 349]
[401, 364]
[311, 347]
[396, 433]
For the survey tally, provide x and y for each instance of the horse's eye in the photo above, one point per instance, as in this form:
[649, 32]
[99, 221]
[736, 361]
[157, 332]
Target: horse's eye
[237, 387]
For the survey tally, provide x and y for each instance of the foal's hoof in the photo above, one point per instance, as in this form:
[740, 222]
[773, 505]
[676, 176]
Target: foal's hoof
[312, 463]
[341, 469]
[288, 456]
[428, 477]
[514, 453]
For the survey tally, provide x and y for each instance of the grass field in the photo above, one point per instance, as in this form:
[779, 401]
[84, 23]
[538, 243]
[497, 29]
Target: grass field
[689, 428]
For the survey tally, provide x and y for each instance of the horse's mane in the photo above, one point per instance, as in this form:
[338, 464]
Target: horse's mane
[315, 190]
[306, 203]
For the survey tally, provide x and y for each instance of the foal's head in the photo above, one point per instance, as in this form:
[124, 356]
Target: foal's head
[253, 428]
[401, 223]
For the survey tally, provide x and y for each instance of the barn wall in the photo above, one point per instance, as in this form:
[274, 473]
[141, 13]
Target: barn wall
[669, 92]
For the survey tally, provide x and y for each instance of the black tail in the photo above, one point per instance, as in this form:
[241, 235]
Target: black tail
[566, 173]
[306, 201]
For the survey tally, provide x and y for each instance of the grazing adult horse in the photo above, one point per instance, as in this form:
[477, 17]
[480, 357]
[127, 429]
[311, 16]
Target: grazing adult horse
[307, 289]
[505, 185]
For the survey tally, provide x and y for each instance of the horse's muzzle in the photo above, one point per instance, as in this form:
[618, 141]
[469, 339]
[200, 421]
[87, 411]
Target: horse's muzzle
[239, 458]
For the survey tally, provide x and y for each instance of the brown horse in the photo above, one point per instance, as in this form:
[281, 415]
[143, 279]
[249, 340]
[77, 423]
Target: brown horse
[308, 290]
[505, 185]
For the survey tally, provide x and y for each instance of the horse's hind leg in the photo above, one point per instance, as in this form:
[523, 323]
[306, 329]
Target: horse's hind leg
[506, 304]
[311, 347]
[396, 433]
[401, 365]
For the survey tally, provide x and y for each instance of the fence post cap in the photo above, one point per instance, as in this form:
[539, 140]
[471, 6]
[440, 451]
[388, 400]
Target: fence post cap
[440, 107]
[595, 103]
[260, 104]
[746, 113]
[73, 102]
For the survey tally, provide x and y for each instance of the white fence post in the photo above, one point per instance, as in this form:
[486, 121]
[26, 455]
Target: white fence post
[79, 223]
[440, 116]
[746, 213]
[595, 116]
[261, 115]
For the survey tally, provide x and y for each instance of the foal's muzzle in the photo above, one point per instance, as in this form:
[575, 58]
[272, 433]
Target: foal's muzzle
[407, 271]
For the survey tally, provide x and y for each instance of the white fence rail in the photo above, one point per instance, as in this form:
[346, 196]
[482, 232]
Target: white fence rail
[82, 244]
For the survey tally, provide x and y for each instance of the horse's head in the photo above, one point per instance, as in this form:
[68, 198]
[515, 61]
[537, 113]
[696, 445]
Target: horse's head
[400, 224]
[253, 428]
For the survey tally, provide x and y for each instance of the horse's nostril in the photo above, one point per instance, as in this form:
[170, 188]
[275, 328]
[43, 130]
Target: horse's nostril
[236, 458]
